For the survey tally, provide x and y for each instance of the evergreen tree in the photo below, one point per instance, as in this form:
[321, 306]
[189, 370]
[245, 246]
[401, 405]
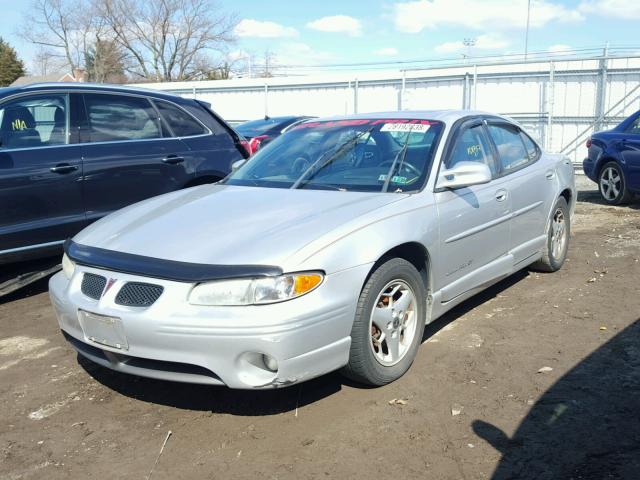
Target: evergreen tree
[11, 67]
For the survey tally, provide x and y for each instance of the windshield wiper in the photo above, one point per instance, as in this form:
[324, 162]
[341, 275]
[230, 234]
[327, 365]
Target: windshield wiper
[401, 154]
[336, 153]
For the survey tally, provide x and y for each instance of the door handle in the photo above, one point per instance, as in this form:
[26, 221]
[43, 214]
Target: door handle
[550, 174]
[63, 168]
[501, 195]
[172, 159]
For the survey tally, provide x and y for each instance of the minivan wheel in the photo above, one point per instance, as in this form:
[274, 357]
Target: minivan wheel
[389, 324]
[555, 252]
[612, 184]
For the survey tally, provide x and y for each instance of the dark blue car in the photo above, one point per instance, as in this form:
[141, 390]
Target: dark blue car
[614, 161]
[72, 153]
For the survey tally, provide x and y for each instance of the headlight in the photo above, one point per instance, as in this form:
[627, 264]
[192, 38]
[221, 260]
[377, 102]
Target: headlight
[255, 291]
[68, 267]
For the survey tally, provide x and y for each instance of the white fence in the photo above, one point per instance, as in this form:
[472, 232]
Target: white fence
[559, 101]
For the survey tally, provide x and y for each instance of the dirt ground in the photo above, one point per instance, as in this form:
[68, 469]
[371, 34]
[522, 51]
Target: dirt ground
[539, 377]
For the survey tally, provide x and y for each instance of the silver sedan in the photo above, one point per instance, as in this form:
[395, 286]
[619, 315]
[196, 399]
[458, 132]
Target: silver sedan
[330, 249]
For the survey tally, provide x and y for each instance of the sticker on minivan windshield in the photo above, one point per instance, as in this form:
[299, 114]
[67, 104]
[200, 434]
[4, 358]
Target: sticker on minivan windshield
[404, 127]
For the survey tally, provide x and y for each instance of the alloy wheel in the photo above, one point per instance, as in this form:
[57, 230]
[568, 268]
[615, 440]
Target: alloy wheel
[558, 234]
[393, 323]
[610, 183]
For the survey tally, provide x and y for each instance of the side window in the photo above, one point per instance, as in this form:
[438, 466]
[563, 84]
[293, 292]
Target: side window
[532, 149]
[510, 146]
[120, 117]
[180, 122]
[471, 146]
[35, 121]
[634, 128]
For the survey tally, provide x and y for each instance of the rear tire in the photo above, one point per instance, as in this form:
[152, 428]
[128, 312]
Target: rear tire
[613, 185]
[555, 252]
[389, 324]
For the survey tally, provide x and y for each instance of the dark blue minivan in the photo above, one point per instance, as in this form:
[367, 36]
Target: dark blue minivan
[72, 153]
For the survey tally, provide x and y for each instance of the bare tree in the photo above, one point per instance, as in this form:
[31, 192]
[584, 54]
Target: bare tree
[63, 28]
[46, 62]
[167, 39]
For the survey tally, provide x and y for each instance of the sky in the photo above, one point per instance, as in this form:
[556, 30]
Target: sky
[329, 32]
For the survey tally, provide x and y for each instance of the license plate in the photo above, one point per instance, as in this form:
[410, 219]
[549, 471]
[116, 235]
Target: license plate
[103, 329]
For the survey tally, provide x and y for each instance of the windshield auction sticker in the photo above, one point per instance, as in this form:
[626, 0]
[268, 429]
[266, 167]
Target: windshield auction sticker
[404, 127]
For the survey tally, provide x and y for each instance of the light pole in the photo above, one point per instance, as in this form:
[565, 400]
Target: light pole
[526, 35]
[468, 42]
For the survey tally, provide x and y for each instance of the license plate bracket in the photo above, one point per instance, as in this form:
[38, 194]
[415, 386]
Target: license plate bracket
[103, 329]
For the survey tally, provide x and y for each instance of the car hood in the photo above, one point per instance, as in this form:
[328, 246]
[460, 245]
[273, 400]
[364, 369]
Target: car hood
[231, 225]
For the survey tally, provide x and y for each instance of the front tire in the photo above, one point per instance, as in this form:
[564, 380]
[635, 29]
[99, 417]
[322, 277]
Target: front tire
[555, 252]
[613, 185]
[389, 324]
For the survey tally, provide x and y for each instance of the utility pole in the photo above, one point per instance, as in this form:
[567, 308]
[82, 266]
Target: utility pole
[468, 42]
[526, 35]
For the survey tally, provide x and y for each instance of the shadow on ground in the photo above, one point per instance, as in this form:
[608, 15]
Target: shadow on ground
[586, 426]
[264, 402]
[9, 272]
[594, 197]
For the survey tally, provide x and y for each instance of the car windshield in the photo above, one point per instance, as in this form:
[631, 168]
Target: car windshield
[366, 155]
[255, 128]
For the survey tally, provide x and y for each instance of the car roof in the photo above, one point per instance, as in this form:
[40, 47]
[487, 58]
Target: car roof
[79, 86]
[446, 116]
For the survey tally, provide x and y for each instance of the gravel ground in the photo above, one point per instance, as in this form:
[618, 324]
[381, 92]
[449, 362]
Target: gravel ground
[538, 377]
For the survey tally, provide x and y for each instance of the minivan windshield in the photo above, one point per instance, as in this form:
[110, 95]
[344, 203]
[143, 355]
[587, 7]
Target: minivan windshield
[366, 155]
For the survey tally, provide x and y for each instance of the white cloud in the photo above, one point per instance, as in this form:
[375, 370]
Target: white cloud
[297, 53]
[483, 42]
[387, 52]
[624, 9]
[338, 24]
[263, 29]
[414, 16]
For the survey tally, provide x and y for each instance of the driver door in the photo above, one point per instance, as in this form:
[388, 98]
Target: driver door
[474, 221]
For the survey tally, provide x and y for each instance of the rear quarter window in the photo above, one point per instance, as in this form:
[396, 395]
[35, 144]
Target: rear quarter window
[181, 123]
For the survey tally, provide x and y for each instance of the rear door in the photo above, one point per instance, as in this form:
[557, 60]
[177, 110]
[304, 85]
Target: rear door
[40, 172]
[531, 183]
[129, 153]
[474, 221]
[212, 148]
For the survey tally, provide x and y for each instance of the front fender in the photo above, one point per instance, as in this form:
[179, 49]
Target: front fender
[366, 240]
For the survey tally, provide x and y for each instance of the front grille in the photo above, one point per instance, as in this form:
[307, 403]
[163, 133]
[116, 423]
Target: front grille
[135, 294]
[93, 285]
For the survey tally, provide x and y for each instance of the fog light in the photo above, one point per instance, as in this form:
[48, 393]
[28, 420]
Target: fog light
[270, 362]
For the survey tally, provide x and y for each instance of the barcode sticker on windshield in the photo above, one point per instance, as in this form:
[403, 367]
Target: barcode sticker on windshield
[405, 127]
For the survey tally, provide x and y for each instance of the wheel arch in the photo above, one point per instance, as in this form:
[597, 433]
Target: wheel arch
[602, 161]
[413, 252]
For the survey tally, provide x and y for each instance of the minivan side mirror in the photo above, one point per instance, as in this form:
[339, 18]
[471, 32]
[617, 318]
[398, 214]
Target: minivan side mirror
[464, 174]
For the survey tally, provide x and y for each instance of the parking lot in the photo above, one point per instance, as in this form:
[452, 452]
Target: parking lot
[538, 377]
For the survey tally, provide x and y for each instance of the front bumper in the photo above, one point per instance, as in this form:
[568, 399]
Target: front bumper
[174, 340]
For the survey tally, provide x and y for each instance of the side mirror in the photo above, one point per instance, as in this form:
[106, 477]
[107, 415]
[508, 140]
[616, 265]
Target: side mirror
[464, 174]
[237, 164]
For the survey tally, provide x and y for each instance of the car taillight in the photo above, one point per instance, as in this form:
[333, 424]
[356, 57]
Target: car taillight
[247, 147]
[589, 143]
[256, 142]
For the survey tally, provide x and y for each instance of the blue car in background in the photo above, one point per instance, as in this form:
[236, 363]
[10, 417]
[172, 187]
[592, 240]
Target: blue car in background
[614, 161]
[72, 153]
